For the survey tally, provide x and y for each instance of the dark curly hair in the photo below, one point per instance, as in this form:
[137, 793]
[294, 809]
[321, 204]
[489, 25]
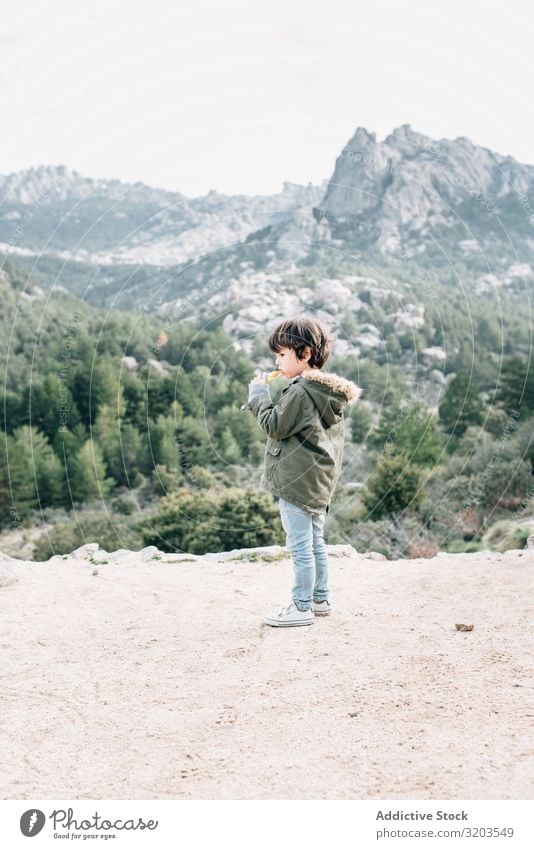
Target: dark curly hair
[300, 332]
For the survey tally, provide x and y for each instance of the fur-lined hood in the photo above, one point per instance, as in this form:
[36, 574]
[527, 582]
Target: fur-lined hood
[329, 392]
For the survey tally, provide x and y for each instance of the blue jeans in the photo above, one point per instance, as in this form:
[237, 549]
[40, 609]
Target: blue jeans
[304, 536]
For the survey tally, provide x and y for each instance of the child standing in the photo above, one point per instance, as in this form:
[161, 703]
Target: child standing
[303, 456]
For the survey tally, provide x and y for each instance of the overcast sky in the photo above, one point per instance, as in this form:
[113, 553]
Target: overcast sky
[238, 96]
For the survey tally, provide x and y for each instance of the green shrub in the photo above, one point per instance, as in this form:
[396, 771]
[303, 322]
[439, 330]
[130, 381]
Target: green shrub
[460, 546]
[394, 486]
[504, 535]
[110, 533]
[200, 522]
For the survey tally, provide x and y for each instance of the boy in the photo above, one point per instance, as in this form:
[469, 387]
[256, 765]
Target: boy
[303, 456]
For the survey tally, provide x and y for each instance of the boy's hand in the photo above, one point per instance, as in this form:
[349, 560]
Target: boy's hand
[266, 376]
[261, 380]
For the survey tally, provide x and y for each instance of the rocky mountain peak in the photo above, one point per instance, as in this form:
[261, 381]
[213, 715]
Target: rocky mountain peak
[405, 139]
[43, 183]
[410, 182]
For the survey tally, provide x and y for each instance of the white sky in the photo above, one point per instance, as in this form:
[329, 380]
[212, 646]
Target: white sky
[237, 96]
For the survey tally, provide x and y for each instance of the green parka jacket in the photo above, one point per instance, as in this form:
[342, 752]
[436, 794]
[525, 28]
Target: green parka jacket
[305, 433]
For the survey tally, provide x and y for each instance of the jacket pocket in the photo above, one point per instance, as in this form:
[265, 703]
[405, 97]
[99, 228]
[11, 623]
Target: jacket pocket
[271, 457]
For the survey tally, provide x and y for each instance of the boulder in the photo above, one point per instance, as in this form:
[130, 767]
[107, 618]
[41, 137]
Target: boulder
[148, 552]
[84, 550]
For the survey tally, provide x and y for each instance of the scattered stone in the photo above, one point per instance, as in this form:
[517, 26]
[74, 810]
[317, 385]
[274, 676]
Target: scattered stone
[130, 363]
[148, 552]
[168, 557]
[274, 552]
[464, 627]
[7, 576]
[84, 550]
[241, 553]
[434, 353]
[371, 555]
[160, 367]
[437, 376]
[342, 551]
[121, 552]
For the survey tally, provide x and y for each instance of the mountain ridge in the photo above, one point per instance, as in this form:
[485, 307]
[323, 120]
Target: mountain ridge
[445, 207]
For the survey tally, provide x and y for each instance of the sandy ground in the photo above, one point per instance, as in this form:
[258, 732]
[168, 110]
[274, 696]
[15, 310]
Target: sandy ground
[158, 680]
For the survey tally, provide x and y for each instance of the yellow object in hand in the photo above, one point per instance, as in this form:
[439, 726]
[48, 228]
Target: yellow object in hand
[266, 376]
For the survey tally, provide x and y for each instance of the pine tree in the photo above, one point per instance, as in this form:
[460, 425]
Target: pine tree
[162, 443]
[515, 390]
[121, 444]
[93, 384]
[49, 472]
[88, 474]
[230, 450]
[412, 429]
[461, 405]
[19, 488]
[360, 422]
[49, 406]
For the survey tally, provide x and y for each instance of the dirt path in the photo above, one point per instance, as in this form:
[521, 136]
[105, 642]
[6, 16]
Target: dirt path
[158, 680]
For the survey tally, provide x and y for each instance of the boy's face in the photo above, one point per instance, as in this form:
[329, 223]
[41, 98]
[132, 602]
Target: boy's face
[289, 364]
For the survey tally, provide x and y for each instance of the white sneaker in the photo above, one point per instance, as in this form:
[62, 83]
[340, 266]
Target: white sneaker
[322, 608]
[290, 615]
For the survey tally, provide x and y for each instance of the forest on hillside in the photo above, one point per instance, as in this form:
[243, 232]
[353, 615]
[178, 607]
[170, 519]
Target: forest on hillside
[126, 429]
